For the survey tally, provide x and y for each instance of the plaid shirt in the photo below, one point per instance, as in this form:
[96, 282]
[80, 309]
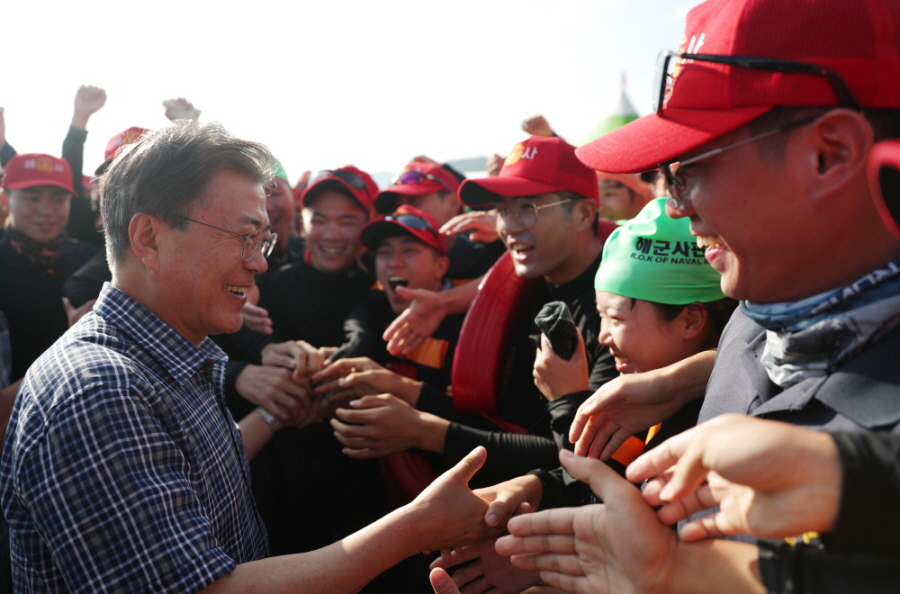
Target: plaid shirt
[122, 469]
[5, 353]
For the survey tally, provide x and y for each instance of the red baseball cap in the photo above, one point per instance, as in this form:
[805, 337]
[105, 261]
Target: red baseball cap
[127, 136]
[536, 166]
[36, 169]
[860, 41]
[348, 180]
[416, 179]
[409, 220]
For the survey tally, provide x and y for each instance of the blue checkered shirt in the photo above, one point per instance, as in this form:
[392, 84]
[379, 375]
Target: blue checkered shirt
[122, 469]
[5, 352]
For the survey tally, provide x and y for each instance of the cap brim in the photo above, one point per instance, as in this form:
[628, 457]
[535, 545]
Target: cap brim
[33, 183]
[386, 202]
[374, 233]
[330, 183]
[648, 141]
[478, 192]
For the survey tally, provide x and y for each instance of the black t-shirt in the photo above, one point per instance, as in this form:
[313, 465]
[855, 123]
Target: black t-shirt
[363, 331]
[31, 299]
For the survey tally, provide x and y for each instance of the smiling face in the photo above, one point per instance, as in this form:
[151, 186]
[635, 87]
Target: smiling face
[280, 208]
[40, 212]
[204, 279]
[332, 222]
[638, 338]
[771, 220]
[617, 201]
[546, 249]
[404, 260]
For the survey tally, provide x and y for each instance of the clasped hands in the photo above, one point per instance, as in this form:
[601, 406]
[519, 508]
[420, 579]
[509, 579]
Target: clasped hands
[371, 408]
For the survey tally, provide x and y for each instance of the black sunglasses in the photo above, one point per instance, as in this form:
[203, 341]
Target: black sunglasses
[414, 222]
[351, 179]
[664, 79]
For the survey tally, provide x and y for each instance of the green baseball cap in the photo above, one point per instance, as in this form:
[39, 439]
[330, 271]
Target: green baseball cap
[279, 170]
[655, 258]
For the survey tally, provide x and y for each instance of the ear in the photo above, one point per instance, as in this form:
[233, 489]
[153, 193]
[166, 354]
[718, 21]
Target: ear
[583, 213]
[442, 265]
[143, 233]
[841, 140]
[693, 321]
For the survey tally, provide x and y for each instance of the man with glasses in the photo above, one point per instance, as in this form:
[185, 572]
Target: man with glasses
[123, 470]
[547, 218]
[763, 131]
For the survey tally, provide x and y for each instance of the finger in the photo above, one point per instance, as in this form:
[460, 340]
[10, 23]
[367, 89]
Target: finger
[672, 452]
[354, 443]
[395, 343]
[534, 544]
[469, 574]
[589, 413]
[604, 481]
[615, 442]
[315, 361]
[361, 454]
[687, 506]
[595, 435]
[393, 328]
[279, 360]
[703, 528]
[466, 468]
[414, 342]
[349, 428]
[441, 582]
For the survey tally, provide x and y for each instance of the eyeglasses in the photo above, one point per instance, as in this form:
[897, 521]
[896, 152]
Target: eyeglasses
[414, 222]
[676, 180]
[414, 177]
[525, 213]
[348, 177]
[664, 79]
[253, 242]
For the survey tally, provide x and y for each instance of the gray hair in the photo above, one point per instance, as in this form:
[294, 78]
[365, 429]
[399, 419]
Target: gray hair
[166, 171]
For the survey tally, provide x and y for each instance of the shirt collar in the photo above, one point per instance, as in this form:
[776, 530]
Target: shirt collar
[173, 351]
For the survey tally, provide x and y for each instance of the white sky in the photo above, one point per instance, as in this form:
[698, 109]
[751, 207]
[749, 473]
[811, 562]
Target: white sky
[328, 83]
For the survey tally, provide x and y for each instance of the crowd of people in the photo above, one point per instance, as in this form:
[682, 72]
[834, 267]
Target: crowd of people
[661, 362]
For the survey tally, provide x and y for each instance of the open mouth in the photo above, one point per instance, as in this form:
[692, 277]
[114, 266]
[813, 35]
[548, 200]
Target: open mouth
[235, 290]
[396, 281]
[709, 241]
[331, 251]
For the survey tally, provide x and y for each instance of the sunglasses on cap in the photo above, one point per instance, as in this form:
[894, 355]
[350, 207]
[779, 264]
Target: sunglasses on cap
[414, 222]
[414, 176]
[668, 63]
[348, 177]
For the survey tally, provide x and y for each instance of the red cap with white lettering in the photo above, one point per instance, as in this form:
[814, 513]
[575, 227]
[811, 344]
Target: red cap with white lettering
[859, 41]
[538, 165]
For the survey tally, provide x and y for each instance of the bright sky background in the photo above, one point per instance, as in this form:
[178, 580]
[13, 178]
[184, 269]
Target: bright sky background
[328, 83]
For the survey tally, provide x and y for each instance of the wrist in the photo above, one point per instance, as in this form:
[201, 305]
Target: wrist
[433, 433]
[270, 419]
[411, 391]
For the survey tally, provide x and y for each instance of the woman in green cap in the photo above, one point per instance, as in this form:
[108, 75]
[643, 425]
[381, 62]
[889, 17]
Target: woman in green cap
[659, 299]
